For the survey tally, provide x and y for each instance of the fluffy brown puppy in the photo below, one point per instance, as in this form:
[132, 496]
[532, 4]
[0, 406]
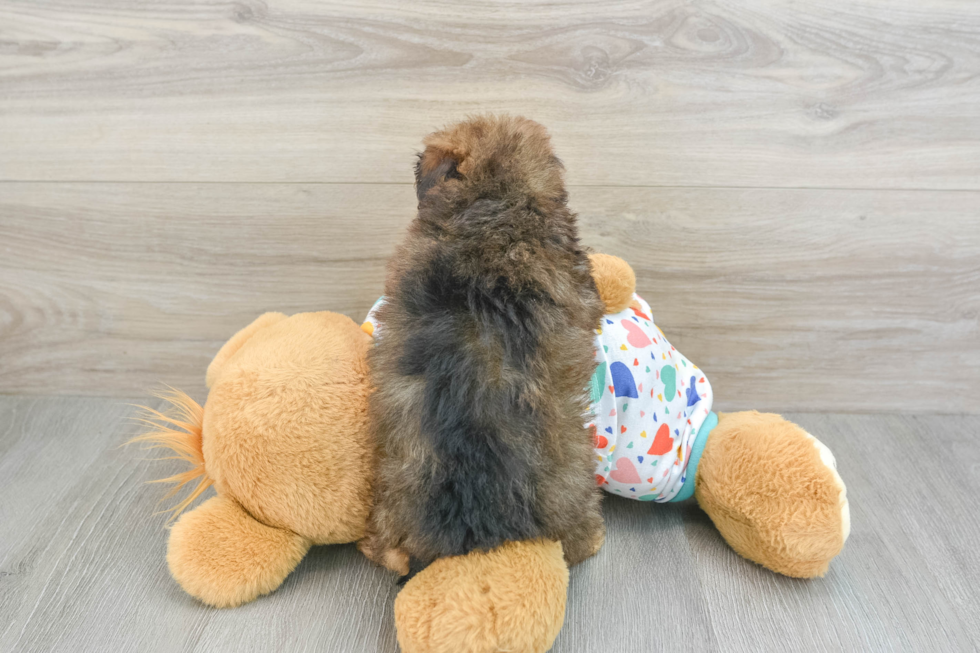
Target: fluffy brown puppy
[484, 353]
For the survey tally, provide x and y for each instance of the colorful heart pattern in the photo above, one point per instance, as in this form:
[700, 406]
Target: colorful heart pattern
[623, 380]
[635, 336]
[598, 383]
[662, 443]
[668, 375]
[648, 403]
[625, 472]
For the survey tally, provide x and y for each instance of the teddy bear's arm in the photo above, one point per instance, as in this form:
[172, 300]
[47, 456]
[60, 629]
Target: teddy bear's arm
[615, 281]
[224, 557]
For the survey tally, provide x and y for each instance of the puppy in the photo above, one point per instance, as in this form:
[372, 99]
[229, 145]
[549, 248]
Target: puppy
[483, 356]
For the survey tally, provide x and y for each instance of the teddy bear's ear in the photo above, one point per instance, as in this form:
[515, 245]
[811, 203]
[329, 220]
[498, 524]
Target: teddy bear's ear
[434, 166]
[231, 347]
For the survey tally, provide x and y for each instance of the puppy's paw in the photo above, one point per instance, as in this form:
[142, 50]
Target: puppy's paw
[509, 599]
[392, 559]
[597, 541]
[396, 560]
[585, 542]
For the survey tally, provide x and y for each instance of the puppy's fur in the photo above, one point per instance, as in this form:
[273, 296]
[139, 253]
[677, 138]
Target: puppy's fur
[484, 354]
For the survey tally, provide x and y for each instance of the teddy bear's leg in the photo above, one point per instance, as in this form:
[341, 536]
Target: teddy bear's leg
[222, 556]
[509, 599]
[773, 492]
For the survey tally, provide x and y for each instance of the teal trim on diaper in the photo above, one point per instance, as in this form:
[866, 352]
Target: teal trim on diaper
[687, 490]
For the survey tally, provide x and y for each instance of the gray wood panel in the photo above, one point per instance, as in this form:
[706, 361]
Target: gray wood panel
[908, 576]
[790, 299]
[82, 557]
[664, 92]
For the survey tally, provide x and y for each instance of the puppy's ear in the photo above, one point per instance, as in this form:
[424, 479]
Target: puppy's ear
[434, 166]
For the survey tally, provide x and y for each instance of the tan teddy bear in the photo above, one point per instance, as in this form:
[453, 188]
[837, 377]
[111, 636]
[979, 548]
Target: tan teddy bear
[283, 439]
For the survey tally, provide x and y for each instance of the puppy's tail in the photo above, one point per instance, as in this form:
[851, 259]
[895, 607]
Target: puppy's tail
[180, 430]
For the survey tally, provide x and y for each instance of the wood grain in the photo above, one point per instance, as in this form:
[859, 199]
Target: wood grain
[789, 299]
[865, 94]
[82, 557]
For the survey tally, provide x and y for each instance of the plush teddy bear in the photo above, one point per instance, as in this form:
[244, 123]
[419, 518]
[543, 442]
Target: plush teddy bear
[283, 439]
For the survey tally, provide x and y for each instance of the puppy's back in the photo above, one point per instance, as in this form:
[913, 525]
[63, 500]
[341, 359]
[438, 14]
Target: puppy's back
[485, 353]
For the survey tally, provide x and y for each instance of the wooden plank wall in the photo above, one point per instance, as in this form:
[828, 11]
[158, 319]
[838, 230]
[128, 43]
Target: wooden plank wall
[796, 184]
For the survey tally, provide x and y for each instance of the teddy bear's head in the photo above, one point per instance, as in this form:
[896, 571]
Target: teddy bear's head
[285, 426]
[284, 431]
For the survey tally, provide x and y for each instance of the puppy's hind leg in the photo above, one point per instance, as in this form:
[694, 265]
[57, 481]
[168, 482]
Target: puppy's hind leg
[380, 545]
[571, 505]
[584, 539]
[391, 558]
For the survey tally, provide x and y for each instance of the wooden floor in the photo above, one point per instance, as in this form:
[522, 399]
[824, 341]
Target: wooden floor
[82, 557]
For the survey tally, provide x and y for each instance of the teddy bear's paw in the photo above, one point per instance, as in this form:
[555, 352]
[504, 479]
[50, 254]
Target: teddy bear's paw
[774, 493]
[509, 599]
[827, 458]
[222, 556]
